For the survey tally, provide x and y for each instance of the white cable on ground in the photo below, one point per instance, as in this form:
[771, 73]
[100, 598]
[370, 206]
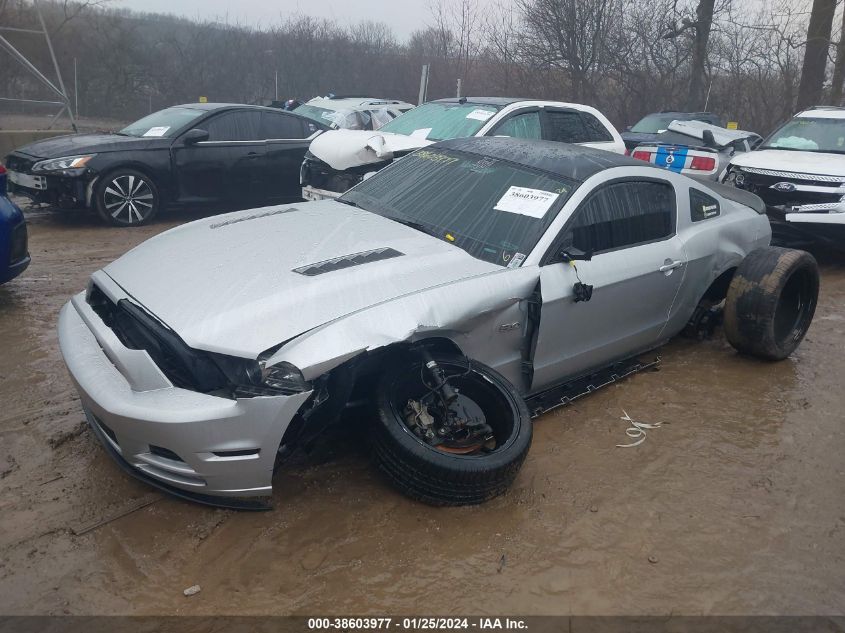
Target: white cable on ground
[636, 430]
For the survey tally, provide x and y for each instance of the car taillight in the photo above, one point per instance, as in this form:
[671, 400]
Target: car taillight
[703, 163]
[2, 169]
[642, 155]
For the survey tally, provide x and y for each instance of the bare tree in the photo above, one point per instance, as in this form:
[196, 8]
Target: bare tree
[816, 53]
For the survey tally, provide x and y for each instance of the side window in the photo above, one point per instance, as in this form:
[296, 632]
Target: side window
[621, 215]
[702, 206]
[597, 131]
[566, 127]
[235, 126]
[521, 126]
[280, 125]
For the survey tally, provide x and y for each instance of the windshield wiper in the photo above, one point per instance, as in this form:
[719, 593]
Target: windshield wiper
[419, 226]
[349, 202]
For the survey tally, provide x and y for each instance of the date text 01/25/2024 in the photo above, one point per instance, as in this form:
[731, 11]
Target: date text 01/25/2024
[416, 624]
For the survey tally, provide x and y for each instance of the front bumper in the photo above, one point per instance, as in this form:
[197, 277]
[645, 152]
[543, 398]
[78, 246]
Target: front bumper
[68, 192]
[207, 448]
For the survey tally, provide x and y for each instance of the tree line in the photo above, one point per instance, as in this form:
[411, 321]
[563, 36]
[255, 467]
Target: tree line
[753, 61]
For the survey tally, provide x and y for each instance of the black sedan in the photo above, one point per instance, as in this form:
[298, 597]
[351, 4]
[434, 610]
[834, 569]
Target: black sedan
[222, 156]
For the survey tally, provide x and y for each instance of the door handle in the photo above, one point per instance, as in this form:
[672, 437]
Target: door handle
[669, 265]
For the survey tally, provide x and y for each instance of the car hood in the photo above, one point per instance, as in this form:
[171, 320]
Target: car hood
[74, 144]
[342, 149]
[228, 284]
[793, 161]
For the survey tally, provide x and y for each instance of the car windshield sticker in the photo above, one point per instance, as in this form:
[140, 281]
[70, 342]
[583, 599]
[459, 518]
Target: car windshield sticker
[436, 157]
[516, 260]
[480, 115]
[157, 131]
[531, 202]
[421, 133]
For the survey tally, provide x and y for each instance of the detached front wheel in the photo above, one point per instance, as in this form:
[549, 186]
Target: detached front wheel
[449, 451]
[771, 302]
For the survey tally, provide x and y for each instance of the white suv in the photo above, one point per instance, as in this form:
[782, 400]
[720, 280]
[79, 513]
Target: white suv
[799, 172]
[353, 113]
[338, 160]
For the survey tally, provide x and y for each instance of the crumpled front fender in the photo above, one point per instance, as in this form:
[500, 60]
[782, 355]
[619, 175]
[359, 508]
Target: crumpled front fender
[469, 312]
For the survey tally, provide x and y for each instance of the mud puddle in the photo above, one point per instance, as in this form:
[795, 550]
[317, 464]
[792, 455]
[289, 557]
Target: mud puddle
[733, 506]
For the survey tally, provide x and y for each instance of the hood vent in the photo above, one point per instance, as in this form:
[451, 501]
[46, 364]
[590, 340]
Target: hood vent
[254, 216]
[347, 261]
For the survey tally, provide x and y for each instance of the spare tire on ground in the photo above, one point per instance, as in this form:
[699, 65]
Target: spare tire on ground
[771, 301]
[412, 450]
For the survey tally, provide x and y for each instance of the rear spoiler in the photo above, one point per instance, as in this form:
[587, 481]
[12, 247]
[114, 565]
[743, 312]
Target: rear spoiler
[699, 148]
[732, 193]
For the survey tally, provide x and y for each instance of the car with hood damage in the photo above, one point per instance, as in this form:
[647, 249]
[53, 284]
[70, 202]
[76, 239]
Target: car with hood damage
[341, 159]
[696, 148]
[352, 113]
[454, 295]
[799, 172]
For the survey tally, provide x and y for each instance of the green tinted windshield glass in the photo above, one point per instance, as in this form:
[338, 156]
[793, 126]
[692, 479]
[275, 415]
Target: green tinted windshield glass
[440, 121]
[810, 135]
[493, 209]
[162, 123]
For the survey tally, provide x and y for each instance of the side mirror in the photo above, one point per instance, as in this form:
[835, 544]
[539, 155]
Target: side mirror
[573, 254]
[628, 128]
[195, 135]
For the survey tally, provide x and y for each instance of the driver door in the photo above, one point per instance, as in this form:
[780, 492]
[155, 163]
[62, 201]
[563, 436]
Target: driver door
[636, 271]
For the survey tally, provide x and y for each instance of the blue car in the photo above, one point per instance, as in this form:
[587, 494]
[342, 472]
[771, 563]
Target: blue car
[14, 255]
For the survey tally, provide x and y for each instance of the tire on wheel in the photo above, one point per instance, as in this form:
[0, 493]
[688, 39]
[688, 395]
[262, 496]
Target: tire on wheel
[126, 197]
[771, 301]
[438, 476]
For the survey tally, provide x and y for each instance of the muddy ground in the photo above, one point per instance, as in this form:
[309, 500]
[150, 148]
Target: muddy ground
[736, 505]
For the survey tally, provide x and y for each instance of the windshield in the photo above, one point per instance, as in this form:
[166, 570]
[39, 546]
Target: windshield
[810, 135]
[162, 123]
[493, 209]
[654, 123]
[440, 121]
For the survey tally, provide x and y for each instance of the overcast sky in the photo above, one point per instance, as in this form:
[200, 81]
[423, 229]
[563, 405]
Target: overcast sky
[403, 16]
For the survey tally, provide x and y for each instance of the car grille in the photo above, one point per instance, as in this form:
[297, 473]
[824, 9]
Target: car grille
[761, 184]
[136, 329]
[19, 247]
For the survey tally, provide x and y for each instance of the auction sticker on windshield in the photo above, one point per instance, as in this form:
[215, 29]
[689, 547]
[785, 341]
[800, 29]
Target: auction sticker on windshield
[157, 131]
[531, 202]
[480, 115]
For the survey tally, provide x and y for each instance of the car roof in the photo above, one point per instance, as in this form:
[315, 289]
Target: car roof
[208, 107]
[823, 112]
[574, 162]
[346, 103]
[493, 101]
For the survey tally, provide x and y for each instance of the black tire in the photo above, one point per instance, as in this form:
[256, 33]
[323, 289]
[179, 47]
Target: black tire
[438, 478]
[771, 302]
[126, 197]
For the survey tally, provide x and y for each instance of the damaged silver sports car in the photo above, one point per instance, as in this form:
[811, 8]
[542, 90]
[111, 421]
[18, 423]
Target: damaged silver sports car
[458, 292]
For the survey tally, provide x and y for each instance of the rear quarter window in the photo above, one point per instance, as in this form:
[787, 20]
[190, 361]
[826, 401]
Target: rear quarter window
[702, 206]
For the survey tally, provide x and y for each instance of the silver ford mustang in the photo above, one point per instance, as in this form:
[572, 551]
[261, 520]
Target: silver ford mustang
[457, 293]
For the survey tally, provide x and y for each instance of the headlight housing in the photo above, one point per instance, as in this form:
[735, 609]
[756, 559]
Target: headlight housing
[65, 162]
[284, 377]
[250, 378]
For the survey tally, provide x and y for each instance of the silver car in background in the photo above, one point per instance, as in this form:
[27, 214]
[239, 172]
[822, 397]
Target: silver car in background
[459, 292]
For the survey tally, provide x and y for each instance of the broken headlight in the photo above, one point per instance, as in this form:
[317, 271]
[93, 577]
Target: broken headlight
[284, 377]
[250, 378]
